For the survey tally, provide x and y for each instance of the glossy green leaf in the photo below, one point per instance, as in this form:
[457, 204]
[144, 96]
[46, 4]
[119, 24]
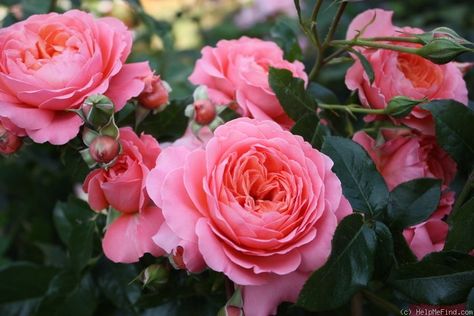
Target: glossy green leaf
[443, 278]
[461, 230]
[291, 93]
[348, 269]
[322, 94]
[22, 286]
[115, 281]
[362, 184]
[68, 294]
[454, 129]
[76, 227]
[366, 65]
[287, 39]
[311, 129]
[384, 252]
[412, 202]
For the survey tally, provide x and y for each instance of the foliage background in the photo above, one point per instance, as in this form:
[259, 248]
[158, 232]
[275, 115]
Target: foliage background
[50, 255]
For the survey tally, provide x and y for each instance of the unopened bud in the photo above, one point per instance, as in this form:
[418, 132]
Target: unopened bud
[155, 95]
[176, 258]
[104, 149]
[154, 274]
[204, 111]
[9, 142]
[401, 106]
[441, 50]
[98, 110]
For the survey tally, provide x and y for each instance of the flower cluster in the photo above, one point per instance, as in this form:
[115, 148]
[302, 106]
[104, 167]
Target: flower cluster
[251, 197]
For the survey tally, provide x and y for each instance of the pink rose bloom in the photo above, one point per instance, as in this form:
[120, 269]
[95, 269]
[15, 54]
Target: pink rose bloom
[404, 157]
[50, 63]
[400, 74]
[256, 203]
[260, 10]
[122, 186]
[237, 70]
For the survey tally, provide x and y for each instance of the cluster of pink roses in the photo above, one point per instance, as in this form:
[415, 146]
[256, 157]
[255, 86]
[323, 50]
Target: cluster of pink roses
[411, 153]
[254, 202]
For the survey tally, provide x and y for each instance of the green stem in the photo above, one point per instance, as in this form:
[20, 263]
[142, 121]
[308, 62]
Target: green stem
[381, 302]
[358, 42]
[327, 41]
[393, 39]
[354, 108]
[314, 30]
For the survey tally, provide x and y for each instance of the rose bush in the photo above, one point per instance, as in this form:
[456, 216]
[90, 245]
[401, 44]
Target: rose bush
[230, 182]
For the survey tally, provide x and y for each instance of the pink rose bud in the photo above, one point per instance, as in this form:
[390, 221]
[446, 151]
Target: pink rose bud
[9, 142]
[104, 149]
[177, 258]
[204, 112]
[155, 95]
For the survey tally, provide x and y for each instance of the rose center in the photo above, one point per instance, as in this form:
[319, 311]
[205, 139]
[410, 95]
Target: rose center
[421, 72]
[51, 42]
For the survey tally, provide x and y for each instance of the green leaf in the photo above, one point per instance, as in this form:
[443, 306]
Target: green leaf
[470, 300]
[68, 294]
[75, 225]
[461, 222]
[115, 281]
[169, 124]
[362, 184]
[443, 278]
[412, 202]
[291, 93]
[384, 251]
[403, 253]
[366, 65]
[311, 129]
[322, 94]
[22, 286]
[286, 38]
[454, 129]
[348, 269]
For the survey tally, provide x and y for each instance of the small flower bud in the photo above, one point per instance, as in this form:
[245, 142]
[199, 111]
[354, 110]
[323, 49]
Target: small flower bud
[104, 149]
[9, 142]
[155, 95]
[441, 50]
[176, 258]
[154, 274]
[98, 110]
[204, 111]
[401, 106]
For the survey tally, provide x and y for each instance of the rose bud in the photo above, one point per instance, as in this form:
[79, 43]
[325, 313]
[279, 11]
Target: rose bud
[155, 95]
[9, 142]
[104, 149]
[204, 112]
[441, 50]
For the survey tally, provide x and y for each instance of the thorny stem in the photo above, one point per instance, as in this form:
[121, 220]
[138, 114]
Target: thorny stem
[314, 30]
